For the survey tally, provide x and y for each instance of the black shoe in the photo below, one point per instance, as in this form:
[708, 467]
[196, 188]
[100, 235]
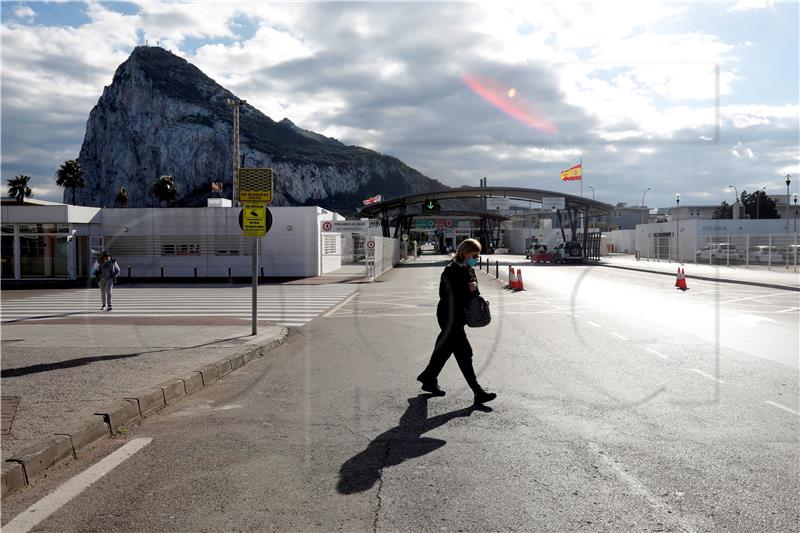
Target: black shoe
[483, 397]
[433, 388]
[109, 308]
[103, 308]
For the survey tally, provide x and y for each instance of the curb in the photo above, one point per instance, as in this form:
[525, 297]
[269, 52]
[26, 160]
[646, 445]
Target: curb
[708, 278]
[26, 466]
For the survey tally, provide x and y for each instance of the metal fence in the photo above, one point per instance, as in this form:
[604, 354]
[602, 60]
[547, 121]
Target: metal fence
[770, 251]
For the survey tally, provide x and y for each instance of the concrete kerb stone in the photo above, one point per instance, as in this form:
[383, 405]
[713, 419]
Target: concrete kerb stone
[42, 455]
[707, 278]
[149, 401]
[173, 389]
[237, 361]
[224, 367]
[20, 470]
[85, 434]
[209, 373]
[121, 414]
[13, 478]
[193, 382]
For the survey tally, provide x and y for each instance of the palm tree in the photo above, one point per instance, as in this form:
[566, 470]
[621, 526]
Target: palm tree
[70, 175]
[18, 188]
[122, 197]
[164, 189]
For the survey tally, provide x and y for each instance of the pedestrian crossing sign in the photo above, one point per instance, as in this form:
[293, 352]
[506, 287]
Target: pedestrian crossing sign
[255, 185]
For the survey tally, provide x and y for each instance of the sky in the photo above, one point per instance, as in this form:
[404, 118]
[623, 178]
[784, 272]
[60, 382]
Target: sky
[685, 98]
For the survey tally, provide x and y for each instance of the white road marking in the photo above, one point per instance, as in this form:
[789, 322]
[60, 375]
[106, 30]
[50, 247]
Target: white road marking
[655, 352]
[666, 512]
[342, 303]
[788, 310]
[592, 324]
[787, 409]
[709, 376]
[619, 336]
[753, 320]
[51, 503]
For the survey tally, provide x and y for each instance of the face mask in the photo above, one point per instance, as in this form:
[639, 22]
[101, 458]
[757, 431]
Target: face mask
[472, 261]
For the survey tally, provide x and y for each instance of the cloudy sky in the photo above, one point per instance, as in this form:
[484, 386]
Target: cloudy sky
[683, 98]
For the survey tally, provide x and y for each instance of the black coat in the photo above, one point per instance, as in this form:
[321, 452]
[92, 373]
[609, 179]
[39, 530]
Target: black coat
[454, 295]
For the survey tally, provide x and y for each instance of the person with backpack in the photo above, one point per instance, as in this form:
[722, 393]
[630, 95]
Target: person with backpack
[106, 272]
[457, 286]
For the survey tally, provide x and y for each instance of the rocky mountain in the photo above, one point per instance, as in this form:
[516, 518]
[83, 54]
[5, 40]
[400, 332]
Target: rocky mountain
[162, 115]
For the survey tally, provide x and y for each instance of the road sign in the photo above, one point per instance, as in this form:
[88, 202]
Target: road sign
[255, 220]
[344, 226]
[553, 202]
[370, 247]
[431, 206]
[255, 185]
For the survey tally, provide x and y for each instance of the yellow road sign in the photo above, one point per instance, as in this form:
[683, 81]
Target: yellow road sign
[255, 185]
[254, 220]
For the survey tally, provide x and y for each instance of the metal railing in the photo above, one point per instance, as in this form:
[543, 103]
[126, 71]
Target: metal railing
[773, 251]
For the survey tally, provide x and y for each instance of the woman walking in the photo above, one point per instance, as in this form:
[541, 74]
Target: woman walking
[457, 286]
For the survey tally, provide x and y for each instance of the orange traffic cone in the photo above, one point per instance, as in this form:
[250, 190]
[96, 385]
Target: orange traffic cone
[678, 278]
[682, 280]
[520, 286]
[512, 279]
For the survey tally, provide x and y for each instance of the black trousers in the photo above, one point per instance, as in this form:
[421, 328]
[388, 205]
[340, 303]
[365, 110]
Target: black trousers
[452, 340]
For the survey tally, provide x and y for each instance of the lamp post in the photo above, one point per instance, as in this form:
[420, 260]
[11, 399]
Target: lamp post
[758, 200]
[736, 201]
[794, 196]
[642, 204]
[788, 182]
[677, 228]
[592, 191]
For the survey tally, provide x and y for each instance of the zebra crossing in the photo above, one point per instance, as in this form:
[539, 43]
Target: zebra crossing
[288, 305]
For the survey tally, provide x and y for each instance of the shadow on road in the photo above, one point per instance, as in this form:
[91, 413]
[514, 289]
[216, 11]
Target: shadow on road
[81, 361]
[405, 441]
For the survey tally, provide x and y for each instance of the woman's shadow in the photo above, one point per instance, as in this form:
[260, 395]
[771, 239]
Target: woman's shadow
[405, 441]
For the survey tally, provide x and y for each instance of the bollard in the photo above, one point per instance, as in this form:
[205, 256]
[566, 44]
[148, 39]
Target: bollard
[497, 270]
[162, 271]
[195, 271]
[262, 271]
[229, 271]
[129, 271]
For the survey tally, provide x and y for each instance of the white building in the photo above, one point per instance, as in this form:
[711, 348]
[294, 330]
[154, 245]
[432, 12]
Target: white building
[42, 240]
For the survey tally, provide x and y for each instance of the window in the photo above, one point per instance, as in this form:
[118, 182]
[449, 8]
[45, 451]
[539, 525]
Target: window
[181, 249]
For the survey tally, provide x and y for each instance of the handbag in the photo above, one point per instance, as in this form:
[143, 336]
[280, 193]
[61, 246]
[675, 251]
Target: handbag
[478, 314]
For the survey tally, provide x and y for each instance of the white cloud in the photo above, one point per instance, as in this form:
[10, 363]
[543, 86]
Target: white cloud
[749, 5]
[621, 91]
[24, 12]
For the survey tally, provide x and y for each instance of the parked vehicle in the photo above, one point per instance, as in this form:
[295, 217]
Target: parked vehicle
[765, 254]
[541, 255]
[719, 250]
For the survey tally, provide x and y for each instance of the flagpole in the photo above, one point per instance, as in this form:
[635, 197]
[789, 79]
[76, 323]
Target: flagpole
[581, 177]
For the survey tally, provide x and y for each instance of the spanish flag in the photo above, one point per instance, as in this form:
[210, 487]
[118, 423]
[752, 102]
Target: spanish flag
[572, 173]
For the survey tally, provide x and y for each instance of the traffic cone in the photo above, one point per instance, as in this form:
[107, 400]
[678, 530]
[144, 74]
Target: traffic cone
[682, 280]
[512, 281]
[678, 278]
[520, 286]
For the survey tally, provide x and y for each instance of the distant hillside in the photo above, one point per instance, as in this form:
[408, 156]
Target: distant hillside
[162, 115]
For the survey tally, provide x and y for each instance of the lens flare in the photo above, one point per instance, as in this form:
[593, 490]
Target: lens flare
[501, 97]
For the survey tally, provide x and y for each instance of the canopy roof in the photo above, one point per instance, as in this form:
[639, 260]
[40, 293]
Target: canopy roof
[590, 207]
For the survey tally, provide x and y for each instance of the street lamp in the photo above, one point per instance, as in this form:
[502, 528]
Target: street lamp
[736, 201]
[642, 204]
[677, 227]
[788, 182]
[592, 191]
[795, 211]
[758, 200]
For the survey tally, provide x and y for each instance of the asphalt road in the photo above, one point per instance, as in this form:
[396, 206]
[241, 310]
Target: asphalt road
[623, 405]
